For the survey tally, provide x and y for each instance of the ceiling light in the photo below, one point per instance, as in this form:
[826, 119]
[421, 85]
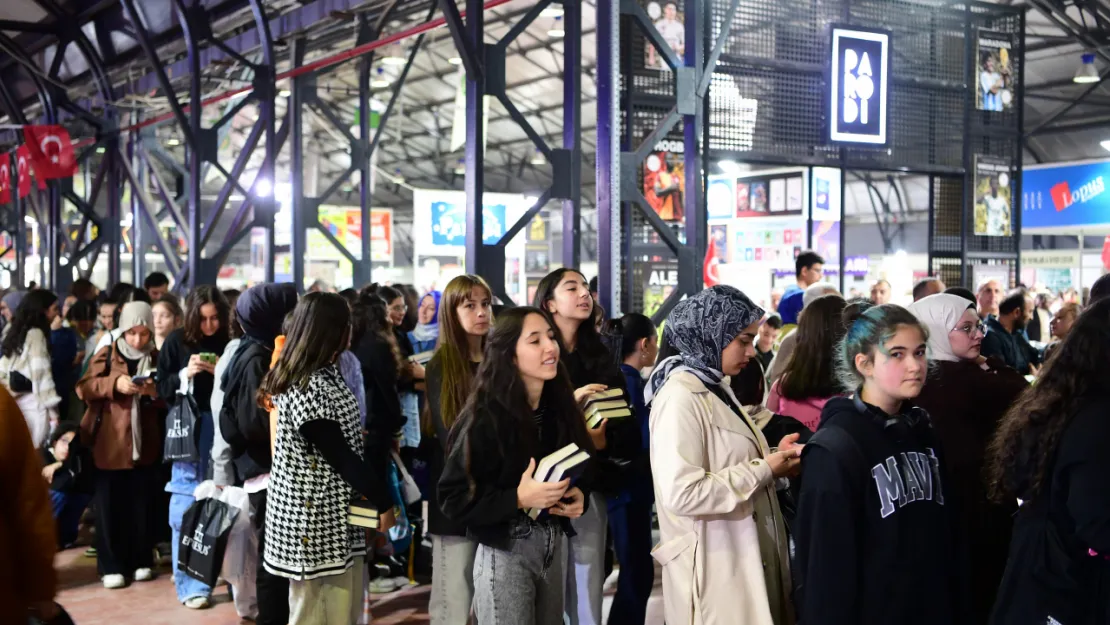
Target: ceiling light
[395, 56]
[552, 11]
[538, 159]
[263, 187]
[557, 31]
[398, 177]
[393, 60]
[729, 167]
[455, 60]
[379, 83]
[285, 93]
[460, 167]
[173, 141]
[1105, 145]
[1086, 72]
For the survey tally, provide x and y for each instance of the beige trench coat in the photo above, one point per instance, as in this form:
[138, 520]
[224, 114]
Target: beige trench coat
[722, 539]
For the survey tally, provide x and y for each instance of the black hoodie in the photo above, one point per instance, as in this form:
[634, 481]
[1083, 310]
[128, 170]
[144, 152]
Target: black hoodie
[244, 425]
[876, 534]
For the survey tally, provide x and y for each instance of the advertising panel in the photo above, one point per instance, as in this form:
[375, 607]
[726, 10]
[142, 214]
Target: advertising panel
[1068, 196]
[993, 197]
[859, 62]
[994, 76]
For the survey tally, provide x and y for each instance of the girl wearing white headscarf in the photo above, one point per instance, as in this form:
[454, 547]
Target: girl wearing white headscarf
[966, 396]
[714, 473]
[122, 427]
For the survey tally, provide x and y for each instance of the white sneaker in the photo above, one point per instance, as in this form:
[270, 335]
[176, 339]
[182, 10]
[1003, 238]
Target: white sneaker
[112, 582]
[197, 603]
[382, 585]
[401, 581]
[144, 575]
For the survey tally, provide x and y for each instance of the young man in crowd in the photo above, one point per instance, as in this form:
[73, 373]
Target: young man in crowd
[880, 292]
[808, 270]
[157, 285]
[1004, 334]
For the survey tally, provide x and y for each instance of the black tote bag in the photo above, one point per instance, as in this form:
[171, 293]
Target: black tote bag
[205, 528]
[181, 431]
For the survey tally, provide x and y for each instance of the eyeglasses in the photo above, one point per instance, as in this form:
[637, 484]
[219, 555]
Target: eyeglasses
[971, 328]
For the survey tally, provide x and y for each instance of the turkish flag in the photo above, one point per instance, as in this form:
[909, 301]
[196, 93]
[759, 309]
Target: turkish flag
[1106, 252]
[710, 266]
[5, 178]
[51, 152]
[23, 170]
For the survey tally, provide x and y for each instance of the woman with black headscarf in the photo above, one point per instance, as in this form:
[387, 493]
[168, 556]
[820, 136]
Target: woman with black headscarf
[714, 473]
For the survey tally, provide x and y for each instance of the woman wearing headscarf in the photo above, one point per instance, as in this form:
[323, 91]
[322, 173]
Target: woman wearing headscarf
[9, 304]
[714, 473]
[966, 398]
[424, 336]
[122, 426]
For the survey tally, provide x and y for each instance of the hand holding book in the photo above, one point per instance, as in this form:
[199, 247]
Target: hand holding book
[572, 505]
[532, 494]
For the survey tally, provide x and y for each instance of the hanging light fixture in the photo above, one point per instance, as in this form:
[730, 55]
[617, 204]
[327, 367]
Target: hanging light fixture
[380, 81]
[553, 10]
[460, 167]
[1087, 72]
[557, 31]
[455, 60]
[395, 55]
[538, 158]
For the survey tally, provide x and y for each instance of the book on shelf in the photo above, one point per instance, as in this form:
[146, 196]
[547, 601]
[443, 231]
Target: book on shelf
[567, 466]
[362, 514]
[594, 420]
[423, 357]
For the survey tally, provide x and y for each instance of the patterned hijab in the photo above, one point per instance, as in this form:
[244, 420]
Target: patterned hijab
[699, 329]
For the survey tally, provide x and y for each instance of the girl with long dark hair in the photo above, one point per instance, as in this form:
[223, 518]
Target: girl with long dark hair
[410, 372]
[187, 364]
[464, 319]
[373, 344]
[876, 529]
[318, 469]
[1050, 453]
[564, 294]
[633, 341]
[810, 377]
[25, 365]
[521, 410]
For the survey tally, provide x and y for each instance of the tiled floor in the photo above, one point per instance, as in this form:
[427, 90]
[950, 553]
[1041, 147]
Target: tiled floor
[154, 603]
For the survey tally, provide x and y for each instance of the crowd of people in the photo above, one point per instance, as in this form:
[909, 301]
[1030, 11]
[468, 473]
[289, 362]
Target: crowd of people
[844, 461]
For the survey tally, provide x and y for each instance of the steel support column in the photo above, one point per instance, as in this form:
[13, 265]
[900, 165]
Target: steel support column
[690, 278]
[572, 132]
[607, 163]
[302, 85]
[362, 271]
[472, 52]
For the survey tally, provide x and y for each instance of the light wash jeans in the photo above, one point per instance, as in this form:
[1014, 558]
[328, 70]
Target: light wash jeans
[187, 587]
[452, 579]
[522, 585]
[586, 564]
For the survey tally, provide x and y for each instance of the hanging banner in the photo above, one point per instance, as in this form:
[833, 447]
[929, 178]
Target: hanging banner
[5, 178]
[993, 197]
[23, 170]
[51, 152]
[994, 77]
[859, 64]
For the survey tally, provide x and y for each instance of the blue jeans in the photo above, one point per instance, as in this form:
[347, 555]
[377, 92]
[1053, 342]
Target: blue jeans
[186, 586]
[68, 508]
[185, 478]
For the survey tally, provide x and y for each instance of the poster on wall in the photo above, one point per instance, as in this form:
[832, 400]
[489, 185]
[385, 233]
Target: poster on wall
[794, 194]
[669, 21]
[778, 195]
[994, 74]
[719, 235]
[758, 201]
[720, 197]
[993, 197]
[664, 182]
[660, 280]
[381, 234]
[743, 199]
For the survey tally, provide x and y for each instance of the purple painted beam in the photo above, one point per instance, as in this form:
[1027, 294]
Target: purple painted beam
[289, 24]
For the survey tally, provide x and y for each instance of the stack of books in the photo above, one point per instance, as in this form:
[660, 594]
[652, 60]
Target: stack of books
[423, 357]
[608, 404]
[568, 462]
[361, 514]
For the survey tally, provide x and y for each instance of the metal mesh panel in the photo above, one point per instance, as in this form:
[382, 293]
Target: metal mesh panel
[948, 202]
[948, 270]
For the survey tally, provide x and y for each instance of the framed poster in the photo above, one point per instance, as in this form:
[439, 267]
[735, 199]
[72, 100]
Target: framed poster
[778, 195]
[994, 75]
[670, 22]
[993, 197]
[859, 61]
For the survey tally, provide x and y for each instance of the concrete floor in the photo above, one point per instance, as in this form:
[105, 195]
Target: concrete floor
[154, 602]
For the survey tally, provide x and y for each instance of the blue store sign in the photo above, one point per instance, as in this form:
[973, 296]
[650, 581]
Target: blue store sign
[449, 223]
[1065, 196]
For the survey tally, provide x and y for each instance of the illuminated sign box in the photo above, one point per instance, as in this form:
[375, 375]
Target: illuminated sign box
[858, 85]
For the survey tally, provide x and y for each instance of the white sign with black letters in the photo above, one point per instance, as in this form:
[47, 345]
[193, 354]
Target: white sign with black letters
[858, 85]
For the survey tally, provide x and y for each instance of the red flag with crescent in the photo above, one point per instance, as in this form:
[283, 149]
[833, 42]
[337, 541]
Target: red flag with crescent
[52, 153]
[5, 178]
[709, 268]
[23, 170]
